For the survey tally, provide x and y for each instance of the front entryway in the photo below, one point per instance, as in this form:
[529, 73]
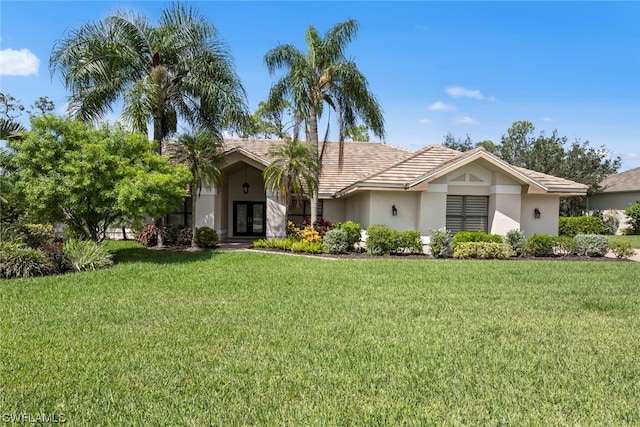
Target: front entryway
[249, 218]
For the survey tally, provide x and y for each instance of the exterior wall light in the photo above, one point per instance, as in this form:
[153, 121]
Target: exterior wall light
[245, 188]
[394, 210]
[536, 213]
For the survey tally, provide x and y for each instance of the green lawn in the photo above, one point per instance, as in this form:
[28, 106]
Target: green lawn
[267, 339]
[634, 240]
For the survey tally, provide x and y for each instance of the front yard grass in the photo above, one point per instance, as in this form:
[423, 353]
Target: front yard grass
[242, 338]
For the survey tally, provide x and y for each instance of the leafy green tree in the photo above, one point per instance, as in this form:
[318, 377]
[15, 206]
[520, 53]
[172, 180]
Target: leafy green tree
[91, 178]
[203, 153]
[269, 120]
[293, 172]
[177, 69]
[357, 133]
[454, 143]
[323, 76]
[10, 110]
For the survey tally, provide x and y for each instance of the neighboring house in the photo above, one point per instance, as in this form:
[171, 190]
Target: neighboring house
[377, 183]
[618, 192]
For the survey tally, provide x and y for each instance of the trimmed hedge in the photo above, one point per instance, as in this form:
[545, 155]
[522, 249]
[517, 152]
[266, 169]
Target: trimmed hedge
[573, 225]
[336, 241]
[483, 250]
[540, 245]
[593, 245]
[475, 236]
[206, 237]
[353, 230]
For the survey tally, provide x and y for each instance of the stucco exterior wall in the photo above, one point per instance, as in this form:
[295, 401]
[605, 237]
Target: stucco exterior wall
[334, 210]
[504, 208]
[613, 201]
[206, 209]
[433, 209]
[406, 202]
[276, 216]
[357, 208]
[549, 206]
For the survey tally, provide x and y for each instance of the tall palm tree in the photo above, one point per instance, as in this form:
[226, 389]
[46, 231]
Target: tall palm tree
[177, 69]
[324, 76]
[293, 172]
[202, 152]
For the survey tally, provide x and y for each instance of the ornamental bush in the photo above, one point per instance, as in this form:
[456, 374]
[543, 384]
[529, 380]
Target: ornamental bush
[170, 234]
[86, 255]
[185, 237]
[593, 245]
[570, 226]
[308, 247]
[565, 246]
[515, 239]
[353, 230]
[621, 249]
[19, 261]
[441, 243]
[310, 235]
[483, 250]
[34, 235]
[475, 236]
[408, 242]
[540, 245]
[380, 240]
[206, 237]
[336, 241]
[55, 253]
[148, 236]
[633, 212]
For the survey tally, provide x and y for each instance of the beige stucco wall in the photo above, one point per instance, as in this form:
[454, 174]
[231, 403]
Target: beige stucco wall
[504, 208]
[276, 216]
[613, 201]
[334, 210]
[357, 208]
[406, 202]
[433, 209]
[549, 206]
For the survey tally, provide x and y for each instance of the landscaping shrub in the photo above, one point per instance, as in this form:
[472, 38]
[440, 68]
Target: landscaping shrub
[483, 250]
[475, 236]
[86, 255]
[170, 234]
[206, 237]
[55, 253]
[515, 239]
[336, 241]
[311, 247]
[408, 242]
[321, 225]
[381, 240]
[594, 245]
[310, 235]
[185, 237]
[34, 235]
[441, 243]
[148, 236]
[18, 262]
[292, 229]
[570, 226]
[621, 249]
[633, 212]
[540, 245]
[565, 246]
[353, 230]
[610, 223]
[9, 233]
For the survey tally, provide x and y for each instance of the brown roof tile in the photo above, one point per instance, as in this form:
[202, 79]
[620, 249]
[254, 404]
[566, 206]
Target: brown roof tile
[623, 181]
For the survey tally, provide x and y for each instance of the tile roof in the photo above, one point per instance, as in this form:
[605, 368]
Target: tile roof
[623, 181]
[369, 164]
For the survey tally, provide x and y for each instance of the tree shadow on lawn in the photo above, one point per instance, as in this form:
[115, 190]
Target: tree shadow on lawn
[166, 255]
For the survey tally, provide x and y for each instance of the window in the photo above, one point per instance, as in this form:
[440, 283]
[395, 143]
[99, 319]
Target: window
[181, 215]
[467, 213]
[297, 212]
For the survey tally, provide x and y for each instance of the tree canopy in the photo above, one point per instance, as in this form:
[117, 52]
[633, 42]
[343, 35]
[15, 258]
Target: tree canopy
[91, 178]
[179, 68]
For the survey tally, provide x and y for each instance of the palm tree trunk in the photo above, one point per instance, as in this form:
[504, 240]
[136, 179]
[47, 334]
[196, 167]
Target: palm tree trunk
[157, 137]
[313, 130]
[193, 217]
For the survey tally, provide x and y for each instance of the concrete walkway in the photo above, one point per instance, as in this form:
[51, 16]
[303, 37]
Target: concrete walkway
[635, 257]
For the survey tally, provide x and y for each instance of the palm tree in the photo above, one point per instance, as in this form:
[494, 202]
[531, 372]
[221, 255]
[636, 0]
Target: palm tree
[177, 69]
[202, 152]
[293, 172]
[323, 75]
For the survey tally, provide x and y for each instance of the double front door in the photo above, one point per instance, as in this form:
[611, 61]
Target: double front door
[249, 218]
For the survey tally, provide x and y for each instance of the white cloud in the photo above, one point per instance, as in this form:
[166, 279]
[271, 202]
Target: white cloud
[461, 92]
[547, 119]
[18, 63]
[465, 120]
[441, 106]
[425, 121]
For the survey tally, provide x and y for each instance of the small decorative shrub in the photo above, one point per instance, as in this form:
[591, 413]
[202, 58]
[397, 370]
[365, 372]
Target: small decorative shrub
[86, 255]
[308, 247]
[206, 237]
[170, 234]
[570, 226]
[483, 250]
[540, 245]
[441, 243]
[380, 240]
[185, 237]
[310, 235]
[633, 212]
[19, 262]
[515, 239]
[292, 229]
[34, 235]
[9, 233]
[321, 225]
[336, 241]
[353, 230]
[148, 236]
[593, 245]
[565, 246]
[56, 255]
[475, 236]
[610, 223]
[260, 243]
[621, 249]
[408, 242]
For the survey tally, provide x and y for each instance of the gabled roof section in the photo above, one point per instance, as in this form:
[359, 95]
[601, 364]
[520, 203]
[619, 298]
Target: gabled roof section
[623, 181]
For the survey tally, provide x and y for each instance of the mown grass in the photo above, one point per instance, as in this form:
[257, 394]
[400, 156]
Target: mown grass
[240, 338]
[633, 240]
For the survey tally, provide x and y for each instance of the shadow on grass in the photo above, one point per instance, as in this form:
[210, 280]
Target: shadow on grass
[131, 252]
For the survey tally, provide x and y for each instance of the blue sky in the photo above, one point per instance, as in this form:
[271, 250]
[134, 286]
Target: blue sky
[436, 67]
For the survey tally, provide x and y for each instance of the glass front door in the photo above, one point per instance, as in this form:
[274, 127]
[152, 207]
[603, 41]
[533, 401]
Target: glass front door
[248, 218]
